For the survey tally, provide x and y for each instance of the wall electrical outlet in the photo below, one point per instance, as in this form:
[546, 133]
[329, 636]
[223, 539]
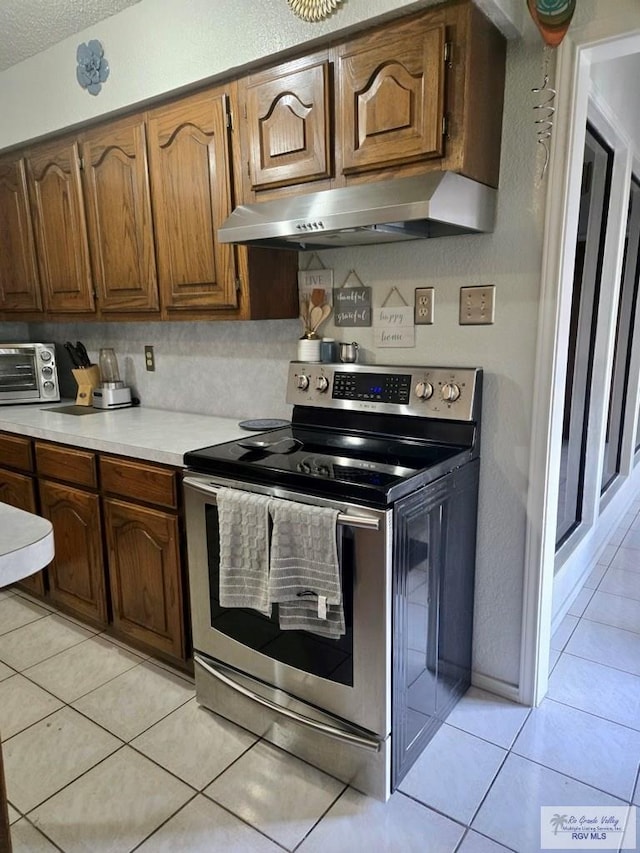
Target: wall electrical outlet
[423, 308]
[149, 358]
[477, 305]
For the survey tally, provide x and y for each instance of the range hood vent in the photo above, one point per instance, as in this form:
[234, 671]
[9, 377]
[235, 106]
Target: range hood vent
[437, 204]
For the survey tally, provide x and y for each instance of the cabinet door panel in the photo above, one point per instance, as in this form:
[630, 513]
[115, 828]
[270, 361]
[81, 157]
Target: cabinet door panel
[60, 229]
[288, 126]
[392, 97]
[144, 572]
[191, 191]
[19, 280]
[17, 490]
[116, 185]
[77, 572]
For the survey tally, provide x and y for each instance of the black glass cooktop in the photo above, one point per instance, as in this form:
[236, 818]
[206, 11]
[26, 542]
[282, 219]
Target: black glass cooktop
[373, 469]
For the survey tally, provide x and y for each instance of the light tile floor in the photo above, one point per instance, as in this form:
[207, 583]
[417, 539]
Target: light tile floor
[106, 750]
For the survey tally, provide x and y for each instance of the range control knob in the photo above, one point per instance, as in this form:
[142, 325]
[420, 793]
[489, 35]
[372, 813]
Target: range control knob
[322, 383]
[45, 355]
[424, 390]
[450, 392]
[302, 382]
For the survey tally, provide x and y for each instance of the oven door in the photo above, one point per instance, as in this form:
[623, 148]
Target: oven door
[349, 677]
[18, 374]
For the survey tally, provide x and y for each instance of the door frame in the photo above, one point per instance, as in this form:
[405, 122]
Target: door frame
[603, 39]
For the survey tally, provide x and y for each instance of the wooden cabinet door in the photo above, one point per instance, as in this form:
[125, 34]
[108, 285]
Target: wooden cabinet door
[17, 490]
[53, 173]
[76, 575]
[116, 183]
[191, 196]
[288, 123]
[19, 280]
[144, 573]
[391, 96]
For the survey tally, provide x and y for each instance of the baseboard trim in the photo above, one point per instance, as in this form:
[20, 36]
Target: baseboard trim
[495, 685]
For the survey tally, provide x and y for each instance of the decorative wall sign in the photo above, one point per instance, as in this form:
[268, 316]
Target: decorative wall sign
[394, 326]
[315, 279]
[93, 68]
[352, 305]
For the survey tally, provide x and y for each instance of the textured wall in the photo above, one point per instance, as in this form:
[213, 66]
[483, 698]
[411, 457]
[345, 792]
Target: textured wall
[202, 366]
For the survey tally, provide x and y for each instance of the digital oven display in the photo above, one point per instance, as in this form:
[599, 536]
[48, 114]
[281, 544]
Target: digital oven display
[375, 387]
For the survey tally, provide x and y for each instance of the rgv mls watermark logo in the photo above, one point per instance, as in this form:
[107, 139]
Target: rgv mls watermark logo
[587, 827]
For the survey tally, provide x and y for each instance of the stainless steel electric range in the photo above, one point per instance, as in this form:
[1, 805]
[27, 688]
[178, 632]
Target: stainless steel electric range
[395, 450]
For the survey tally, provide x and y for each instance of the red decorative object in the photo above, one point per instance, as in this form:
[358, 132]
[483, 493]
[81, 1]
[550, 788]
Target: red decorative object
[552, 18]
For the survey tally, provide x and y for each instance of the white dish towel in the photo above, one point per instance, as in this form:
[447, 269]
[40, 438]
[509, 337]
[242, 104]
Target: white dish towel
[305, 571]
[243, 519]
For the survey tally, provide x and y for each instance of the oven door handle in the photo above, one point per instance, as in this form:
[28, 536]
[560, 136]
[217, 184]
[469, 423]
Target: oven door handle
[343, 517]
[340, 734]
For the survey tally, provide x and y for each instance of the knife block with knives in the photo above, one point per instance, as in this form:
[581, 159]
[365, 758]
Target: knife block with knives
[87, 378]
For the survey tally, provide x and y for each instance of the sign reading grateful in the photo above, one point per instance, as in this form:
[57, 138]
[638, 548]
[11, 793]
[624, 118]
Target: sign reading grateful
[352, 305]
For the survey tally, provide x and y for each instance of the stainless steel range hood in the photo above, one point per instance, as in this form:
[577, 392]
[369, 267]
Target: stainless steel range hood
[436, 204]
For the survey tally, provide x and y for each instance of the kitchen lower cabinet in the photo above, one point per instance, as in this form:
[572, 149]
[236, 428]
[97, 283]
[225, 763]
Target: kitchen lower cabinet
[143, 534]
[144, 575]
[76, 575]
[68, 498]
[17, 489]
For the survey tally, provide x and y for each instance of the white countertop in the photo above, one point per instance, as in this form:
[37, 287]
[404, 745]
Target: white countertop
[26, 544]
[152, 434]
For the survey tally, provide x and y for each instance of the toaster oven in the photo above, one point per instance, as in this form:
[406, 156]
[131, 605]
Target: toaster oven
[28, 374]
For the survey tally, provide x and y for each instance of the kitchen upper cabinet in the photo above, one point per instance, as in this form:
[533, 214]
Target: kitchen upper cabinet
[392, 96]
[406, 97]
[287, 115]
[53, 174]
[190, 164]
[118, 204]
[19, 280]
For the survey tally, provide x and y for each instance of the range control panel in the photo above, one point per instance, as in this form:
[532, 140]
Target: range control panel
[437, 392]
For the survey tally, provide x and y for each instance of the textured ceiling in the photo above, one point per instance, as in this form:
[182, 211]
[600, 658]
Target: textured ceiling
[30, 26]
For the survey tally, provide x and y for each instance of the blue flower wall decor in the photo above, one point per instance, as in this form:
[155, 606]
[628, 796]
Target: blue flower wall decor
[93, 68]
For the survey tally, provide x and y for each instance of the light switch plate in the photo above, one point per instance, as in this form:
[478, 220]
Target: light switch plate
[423, 310]
[477, 305]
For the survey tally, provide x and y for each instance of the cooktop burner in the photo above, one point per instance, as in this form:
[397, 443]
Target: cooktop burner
[368, 434]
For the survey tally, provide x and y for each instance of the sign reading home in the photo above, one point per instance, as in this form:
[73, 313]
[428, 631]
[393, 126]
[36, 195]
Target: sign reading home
[352, 306]
[394, 327]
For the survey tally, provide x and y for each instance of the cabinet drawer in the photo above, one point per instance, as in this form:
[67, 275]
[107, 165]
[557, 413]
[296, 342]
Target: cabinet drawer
[139, 481]
[15, 452]
[67, 464]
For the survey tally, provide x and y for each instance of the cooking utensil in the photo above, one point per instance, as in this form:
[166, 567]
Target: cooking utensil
[73, 355]
[83, 355]
[317, 296]
[325, 310]
[315, 317]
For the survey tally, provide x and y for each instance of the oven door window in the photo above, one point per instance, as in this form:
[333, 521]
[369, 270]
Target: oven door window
[18, 372]
[327, 658]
